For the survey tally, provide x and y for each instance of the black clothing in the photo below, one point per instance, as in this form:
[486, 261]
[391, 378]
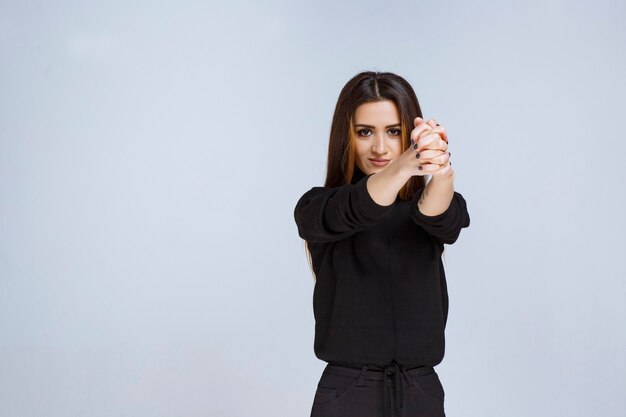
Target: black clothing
[380, 292]
[366, 391]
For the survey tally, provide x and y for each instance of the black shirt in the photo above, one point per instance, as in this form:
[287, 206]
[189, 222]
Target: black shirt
[380, 292]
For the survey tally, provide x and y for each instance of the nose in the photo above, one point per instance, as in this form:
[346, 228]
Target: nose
[379, 146]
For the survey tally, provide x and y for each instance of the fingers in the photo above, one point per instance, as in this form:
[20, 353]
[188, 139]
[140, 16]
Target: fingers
[444, 134]
[430, 144]
[427, 161]
[429, 124]
[427, 168]
[433, 157]
[433, 164]
[431, 141]
[443, 170]
[437, 129]
[418, 120]
[435, 169]
[421, 126]
[415, 133]
[441, 130]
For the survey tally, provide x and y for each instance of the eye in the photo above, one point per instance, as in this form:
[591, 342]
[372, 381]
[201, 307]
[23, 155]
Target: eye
[398, 132]
[360, 132]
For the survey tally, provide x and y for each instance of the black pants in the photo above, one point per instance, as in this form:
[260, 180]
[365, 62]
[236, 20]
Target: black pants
[372, 391]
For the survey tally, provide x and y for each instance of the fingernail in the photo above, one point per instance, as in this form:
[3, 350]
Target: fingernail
[417, 155]
[437, 124]
[419, 167]
[415, 146]
[449, 153]
[411, 141]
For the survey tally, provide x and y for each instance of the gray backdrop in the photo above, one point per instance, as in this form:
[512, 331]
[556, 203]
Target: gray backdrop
[151, 155]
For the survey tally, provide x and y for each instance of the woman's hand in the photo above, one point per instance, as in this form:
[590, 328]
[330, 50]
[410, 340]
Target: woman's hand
[429, 153]
[432, 123]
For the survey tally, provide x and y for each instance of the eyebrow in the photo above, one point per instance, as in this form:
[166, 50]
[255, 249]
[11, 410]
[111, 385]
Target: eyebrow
[373, 127]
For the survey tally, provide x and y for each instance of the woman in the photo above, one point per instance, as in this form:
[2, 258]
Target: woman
[375, 234]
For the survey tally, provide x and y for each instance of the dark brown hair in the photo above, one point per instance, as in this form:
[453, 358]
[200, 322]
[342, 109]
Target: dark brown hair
[366, 87]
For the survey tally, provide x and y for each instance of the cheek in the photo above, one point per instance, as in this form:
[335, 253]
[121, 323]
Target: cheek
[361, 151]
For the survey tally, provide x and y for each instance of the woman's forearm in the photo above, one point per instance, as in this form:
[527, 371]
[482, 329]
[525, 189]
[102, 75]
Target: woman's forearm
[385, 185]
[437, 195]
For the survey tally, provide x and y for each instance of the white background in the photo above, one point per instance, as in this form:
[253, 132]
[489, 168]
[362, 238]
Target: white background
[151, 155]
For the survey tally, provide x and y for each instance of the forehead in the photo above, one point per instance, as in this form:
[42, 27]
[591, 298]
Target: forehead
[377, 112]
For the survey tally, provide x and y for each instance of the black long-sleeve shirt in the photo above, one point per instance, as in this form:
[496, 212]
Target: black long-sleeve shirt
[380, 290]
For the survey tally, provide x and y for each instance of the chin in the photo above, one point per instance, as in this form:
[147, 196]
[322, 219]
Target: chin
[365, 171]
[376, 169]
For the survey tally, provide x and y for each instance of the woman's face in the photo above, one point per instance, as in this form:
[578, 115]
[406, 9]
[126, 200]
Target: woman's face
[378, 136]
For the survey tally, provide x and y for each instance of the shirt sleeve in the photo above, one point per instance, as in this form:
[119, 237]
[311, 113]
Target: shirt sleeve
[446, 226]
[325, 214]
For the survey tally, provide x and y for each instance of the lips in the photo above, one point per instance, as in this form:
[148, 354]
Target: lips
[379, 162]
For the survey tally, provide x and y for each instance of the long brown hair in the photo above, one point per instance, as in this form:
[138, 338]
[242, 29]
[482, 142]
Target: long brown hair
[366, 87]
